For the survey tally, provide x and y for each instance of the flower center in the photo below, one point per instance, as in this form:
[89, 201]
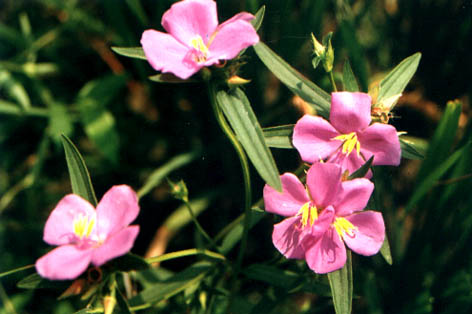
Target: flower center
[344, 227]
[309, 212]
[349, 143]
[201, 50]
[83, 225]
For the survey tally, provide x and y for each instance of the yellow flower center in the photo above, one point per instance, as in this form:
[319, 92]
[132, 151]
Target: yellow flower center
[349, 143]
[309, 212]
[83, 225]
[344, 226]
[202, 49]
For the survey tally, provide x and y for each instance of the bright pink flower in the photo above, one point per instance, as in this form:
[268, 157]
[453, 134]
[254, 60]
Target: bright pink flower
[195, 39]
[322, 216]
[85, 235]
[348, 139]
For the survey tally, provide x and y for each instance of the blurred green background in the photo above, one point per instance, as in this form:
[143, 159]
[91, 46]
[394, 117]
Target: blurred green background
[58, 75]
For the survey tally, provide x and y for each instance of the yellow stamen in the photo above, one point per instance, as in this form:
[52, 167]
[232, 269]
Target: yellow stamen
[83, 225]
[349, 143]
[199, 45]
[344, 226]
[308, 212]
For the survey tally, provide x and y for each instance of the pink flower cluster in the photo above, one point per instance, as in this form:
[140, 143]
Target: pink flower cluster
[328, 213]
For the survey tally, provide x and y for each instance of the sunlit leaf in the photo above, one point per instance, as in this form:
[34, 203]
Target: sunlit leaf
[349, 80]
[296, 82]
[79, 175]
[385, 251]
[413, 147]
[279, 136]
[132, 52]
[341, 285]
[242, 119]
[259, 17]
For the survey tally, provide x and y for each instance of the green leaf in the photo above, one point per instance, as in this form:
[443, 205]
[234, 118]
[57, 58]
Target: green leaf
[35, 281]
[59, 122]
[395, 81]
[156, 177]
[349, 80]
[362, 171]
[170, 287]
[340, 282]
[272, 275]
[259, 17]
[385, 251]
[79, 175]
[279, 136]
[296, 82]
[169, 78]
[99, 123]
[131, 52]
[413, 147]
[439, 147]
[242, 119]
[14, 89]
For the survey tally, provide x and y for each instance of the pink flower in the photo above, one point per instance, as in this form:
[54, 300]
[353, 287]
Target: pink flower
[85, 235]
[322, 216]
[348, 139]
[195, 39]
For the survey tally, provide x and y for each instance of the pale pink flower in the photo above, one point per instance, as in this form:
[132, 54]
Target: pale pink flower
[323, 215]
[195, 39]
[348, 139]
[85, 235]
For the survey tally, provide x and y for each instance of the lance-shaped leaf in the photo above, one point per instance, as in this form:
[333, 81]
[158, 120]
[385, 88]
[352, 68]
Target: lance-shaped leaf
[341, 285]
[242, 119]
[413, 147]
[385, 251]
[296, 82]
[78, 173]
[279, 136]
[395, 81]
[349, 80]
[258, 18]
[131, 52]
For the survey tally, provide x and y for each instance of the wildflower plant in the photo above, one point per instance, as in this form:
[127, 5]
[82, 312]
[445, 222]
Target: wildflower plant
[329, 205]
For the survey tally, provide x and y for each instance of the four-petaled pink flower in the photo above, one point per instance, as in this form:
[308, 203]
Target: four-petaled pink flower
[348, 139]
[85, 235]
[195, 39]
[322, 216]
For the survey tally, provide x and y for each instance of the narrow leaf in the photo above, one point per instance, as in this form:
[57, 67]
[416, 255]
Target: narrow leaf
[156, 177]
[413, 147]
[341, 285]
[259, 17]
[349, 80]
[395, 81]
[362, 171]
[169, 78]
[279, 136]
[79, 175]
[242, 119]
[132, 52]
[385, 251]
[296, 82]
[35, 281]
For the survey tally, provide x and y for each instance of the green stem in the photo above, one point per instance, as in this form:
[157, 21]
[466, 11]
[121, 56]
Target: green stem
[197, 224]
[16, 270]
[183, 253]
[246, 176]
[333, 83]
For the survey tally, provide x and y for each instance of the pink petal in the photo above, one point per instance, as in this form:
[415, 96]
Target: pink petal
[166, 54]
[350, 163]
[350, 112]
[59, 228]
[326, 253]
[116, 210]
[64, 262]
[355, 196]
[231, 37]
[288, 202]
[370, 234]
[381, 140]
[313, 138]
[187, 19]
[244, 16]
[324, 183]
[287, 238]
[116, 245]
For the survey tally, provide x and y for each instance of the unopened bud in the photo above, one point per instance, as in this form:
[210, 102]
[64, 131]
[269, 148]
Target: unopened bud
[235, 81]
[109, 303]
[179, 190]
[74, 289]
[318, 48]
